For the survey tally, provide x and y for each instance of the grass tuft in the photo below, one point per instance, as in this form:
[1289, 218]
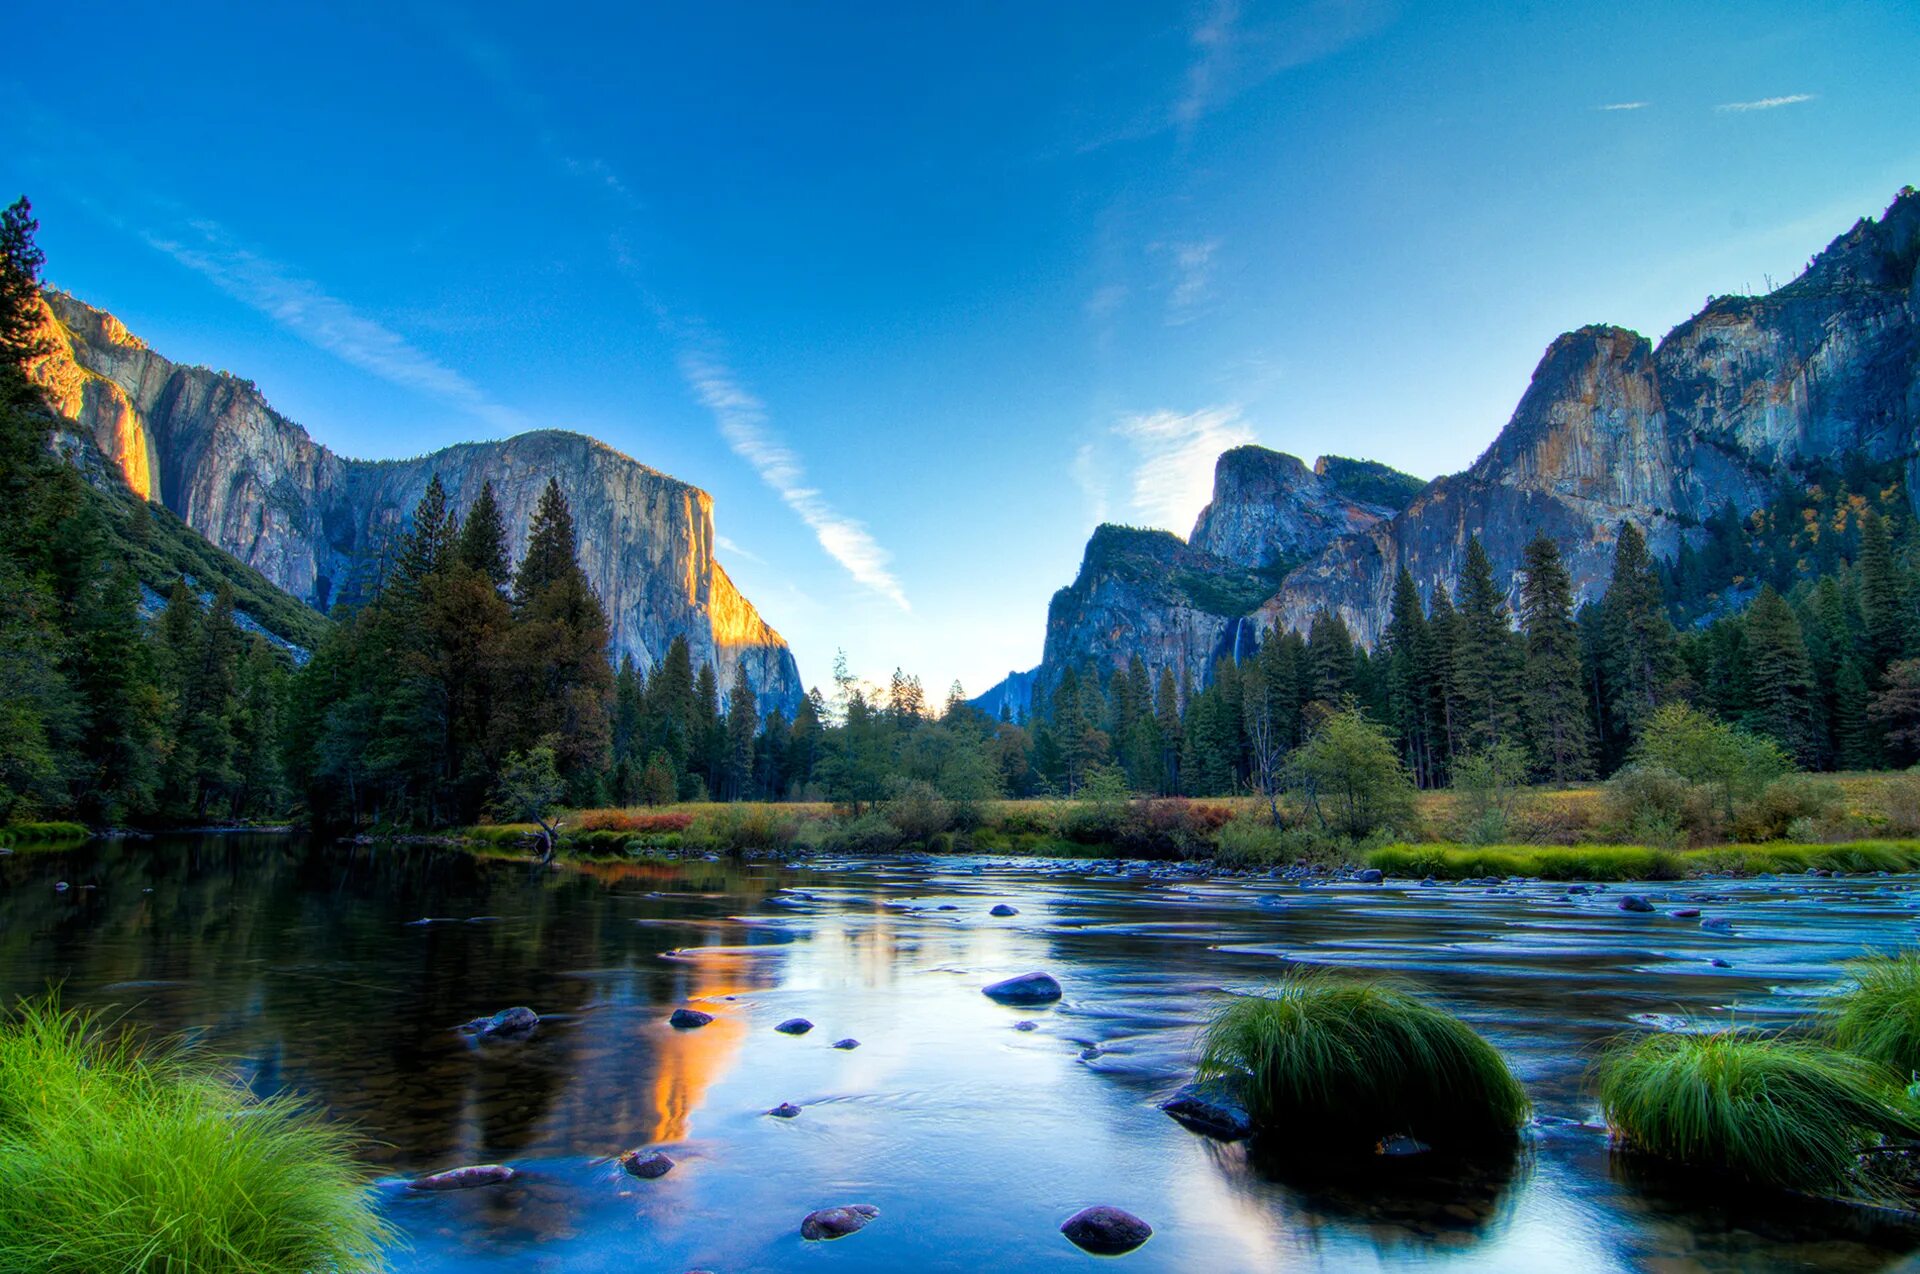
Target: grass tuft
[116, 1156]
[1331, 1059]
[1775, 1111]
[1878, 1017]
[24, 834]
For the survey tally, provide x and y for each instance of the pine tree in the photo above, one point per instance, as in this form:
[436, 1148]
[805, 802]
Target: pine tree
[1881, 613]
[428, 546]
[1639, 660]
[1447, 710]
[743, 727]
[1855, 741]
[1330, 656]
[1558, 732]
[1487, 660]
[1784, 706]
[1166, 712]
[1403, 646]
[550, 556]
[483, 539]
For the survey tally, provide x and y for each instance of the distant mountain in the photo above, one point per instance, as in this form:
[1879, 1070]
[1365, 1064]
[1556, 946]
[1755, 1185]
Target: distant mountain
[1750, 393]
[207, 446]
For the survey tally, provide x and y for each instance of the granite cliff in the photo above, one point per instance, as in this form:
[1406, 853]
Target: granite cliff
[209, 447]
[1751, 392]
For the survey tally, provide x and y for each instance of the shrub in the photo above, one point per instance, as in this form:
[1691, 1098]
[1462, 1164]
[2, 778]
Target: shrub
[1656, 806]
[1900, 802]
[1349, 775]
[118, 1157]
[631, 821]
[1878, 1017]
[1251, 840]
[1788, 799]
[1735, 765]
[1333, 1060]
[868, 833]
[919, 811]
[1490, 784]
[734, 829]
[1775, 1111]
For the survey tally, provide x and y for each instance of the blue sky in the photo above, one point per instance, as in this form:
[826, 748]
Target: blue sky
[921, 293]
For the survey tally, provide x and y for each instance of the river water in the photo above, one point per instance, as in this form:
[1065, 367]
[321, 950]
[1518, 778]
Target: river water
[975, 1138]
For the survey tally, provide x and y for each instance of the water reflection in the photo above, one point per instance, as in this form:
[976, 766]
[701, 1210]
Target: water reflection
[344, 973]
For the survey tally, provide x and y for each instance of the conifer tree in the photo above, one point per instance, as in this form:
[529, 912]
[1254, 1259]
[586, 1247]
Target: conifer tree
[1881, 613]
[1784, 706]
[1446, 710]
[483, 539]
[1487, 659]
[1403, 647]
[1558, 732]
[1330, 656]
[743, 727]
[1638, 656]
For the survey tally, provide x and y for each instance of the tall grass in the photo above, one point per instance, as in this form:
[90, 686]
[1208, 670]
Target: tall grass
[1638, 862]
[1336, 1060]
[115, 1156]
[1878, 1017]
[43, 833]
[1775, 1111]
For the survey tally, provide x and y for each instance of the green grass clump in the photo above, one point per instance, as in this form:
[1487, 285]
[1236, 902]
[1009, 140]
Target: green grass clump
[1341, 1061]
[1783, 857]
[43, 833]
[1775, 1111]
[1550, 862]
[114, 1156]
[1879, 1016]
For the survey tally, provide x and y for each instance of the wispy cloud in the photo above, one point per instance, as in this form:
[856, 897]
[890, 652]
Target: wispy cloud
[731, 549]
[1767, 103]
[742, 419]
[1192, 283]
[306, 309]
[1212, 42]
[1105, 301]
[1172, 455]
[1623, 106]
[1085, 471]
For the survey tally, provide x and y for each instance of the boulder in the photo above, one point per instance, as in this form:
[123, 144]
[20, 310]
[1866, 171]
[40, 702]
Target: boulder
[794, 1026]
[1212, 1108]
[1635, 903]
[1106, 1231]
[785, 1110]
[688, 1019]
[1002, 909]
[1370, 876]
[1027, 988]
[1686, 913]
[508, 1024]
[847, 1043]
[647, 1165]
[837, 1223]
[481, 1174]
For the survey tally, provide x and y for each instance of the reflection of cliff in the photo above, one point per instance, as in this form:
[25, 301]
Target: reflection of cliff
[689, 1062]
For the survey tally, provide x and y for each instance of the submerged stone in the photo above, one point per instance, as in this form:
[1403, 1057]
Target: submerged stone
[481, 1174]
[688, 1019]
[1027, 988]
[1106, 1231]
[837, 1223]
[1002, 909]
[1717, 924]
[508, 1024]
[785, 1110]
[1400, 1146]
[1212, 1108]
[1685, 913]
[648, 1166]
[1634, 902]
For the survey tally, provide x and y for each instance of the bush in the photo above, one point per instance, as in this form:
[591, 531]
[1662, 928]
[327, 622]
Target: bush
[1349, 775]
[868, 833]
[117, 1157]
[1900, 802]
[1789, 799]
[1332, 1060]
[735, 829]
[1779, 1112]
[1250, 840]
[1733, 764]
[1879, 1016]
[1490, 784]
[1653, 805]
[919, 811]
[647, 821]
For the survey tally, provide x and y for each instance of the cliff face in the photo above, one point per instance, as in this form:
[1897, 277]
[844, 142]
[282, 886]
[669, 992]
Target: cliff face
[1728, 406]
[209, 447]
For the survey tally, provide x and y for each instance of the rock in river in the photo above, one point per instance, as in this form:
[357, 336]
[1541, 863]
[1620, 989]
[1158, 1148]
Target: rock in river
[508, 1024]
[1212, 1108]
[687, 1019]
[1106, 1231]
[1369, 876]
[847, 1043]
[480, 1174]
[794, 1026]
[837, 1223]
[1028, 988]
[647, 1165]
[785, 1110]
[1002, 909]
[1634, 902]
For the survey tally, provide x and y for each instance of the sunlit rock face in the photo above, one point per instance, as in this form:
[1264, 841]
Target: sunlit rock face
[209, 446]
[1727, 406]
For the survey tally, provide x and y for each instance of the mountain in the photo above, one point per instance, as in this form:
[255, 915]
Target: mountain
[1183, 603]
[1750, 393]
[209, 447]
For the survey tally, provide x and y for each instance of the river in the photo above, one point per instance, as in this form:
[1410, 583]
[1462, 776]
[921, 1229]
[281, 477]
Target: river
[308, 965]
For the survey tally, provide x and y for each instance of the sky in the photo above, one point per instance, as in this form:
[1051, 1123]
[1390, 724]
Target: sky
[923, 293]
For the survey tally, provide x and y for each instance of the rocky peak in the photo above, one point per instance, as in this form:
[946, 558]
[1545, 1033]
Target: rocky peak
[1270, 510]
[211, 448]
